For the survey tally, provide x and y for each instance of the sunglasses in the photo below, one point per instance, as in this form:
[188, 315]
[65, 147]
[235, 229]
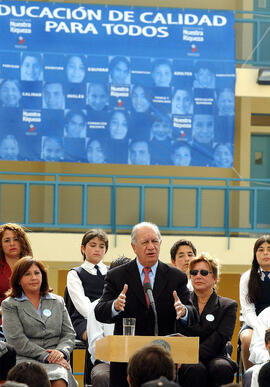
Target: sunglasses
[203, 272]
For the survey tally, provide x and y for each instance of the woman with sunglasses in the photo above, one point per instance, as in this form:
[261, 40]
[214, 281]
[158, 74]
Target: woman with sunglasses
[254, 293]
[215, 328]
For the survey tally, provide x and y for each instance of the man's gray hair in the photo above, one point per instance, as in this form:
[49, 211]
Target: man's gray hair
[143, 224]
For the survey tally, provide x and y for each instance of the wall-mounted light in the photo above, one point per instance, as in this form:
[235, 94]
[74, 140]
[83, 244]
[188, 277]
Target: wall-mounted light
[263, 77]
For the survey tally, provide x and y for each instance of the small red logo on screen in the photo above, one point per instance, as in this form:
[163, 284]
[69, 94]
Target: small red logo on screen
[120, 102]
[193, 48]
[21, 40]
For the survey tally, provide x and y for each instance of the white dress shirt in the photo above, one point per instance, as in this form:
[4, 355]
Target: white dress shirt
[258, 352]
[95, 331]
[255, 373]
[75, 288]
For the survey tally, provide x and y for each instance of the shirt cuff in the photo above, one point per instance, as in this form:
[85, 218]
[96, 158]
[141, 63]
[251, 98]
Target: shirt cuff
[45, 358]
[115, 312]
[185, 318]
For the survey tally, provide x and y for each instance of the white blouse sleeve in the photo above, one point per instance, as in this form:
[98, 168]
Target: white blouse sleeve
[76, 291]
[258, 352]
[248, 308]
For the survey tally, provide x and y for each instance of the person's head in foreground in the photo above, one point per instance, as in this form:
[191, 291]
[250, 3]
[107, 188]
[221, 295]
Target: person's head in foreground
[264, 375]
[32, 374]
[149, 363]
[11, 383]
[160, 382]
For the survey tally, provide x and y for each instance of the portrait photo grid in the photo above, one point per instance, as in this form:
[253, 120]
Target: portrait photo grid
[115, 108]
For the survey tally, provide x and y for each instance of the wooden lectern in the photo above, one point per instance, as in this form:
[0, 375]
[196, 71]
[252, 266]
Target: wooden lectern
[120, 348]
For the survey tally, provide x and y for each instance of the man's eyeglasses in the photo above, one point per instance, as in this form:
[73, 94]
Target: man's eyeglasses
[203, 272]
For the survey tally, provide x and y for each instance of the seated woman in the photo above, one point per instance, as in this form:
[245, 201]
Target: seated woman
[14, 244]
[37, 323]
[254, 293]
[215, 328]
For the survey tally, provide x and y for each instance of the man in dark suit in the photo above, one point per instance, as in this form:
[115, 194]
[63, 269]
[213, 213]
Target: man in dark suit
[124, 296]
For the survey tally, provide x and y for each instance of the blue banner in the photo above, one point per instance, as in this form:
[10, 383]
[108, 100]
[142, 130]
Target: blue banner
[115, 84]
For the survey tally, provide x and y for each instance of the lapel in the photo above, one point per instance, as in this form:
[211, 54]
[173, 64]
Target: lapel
[161, 280]
[31, 311]
[210, 308]
[48, 310]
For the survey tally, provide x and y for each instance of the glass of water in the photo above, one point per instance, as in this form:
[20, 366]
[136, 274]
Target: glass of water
[129, 324]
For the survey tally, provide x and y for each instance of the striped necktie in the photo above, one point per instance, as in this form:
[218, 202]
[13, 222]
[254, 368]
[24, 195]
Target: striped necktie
[146, 271]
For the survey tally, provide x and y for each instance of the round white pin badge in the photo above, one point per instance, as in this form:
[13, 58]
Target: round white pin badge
[47, 312]
[210, 317]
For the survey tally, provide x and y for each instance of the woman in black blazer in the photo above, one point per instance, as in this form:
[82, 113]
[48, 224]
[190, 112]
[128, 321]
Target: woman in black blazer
[215, 328]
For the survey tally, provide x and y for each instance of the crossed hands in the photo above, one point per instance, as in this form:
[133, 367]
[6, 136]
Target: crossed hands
[57, 357]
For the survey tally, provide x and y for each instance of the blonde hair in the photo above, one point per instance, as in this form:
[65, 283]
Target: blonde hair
[211, 262]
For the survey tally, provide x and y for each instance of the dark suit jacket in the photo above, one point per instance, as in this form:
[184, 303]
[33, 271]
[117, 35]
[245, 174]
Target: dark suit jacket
[215, 327]
[167, 280]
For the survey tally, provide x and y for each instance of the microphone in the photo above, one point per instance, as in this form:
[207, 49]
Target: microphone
[148, 290]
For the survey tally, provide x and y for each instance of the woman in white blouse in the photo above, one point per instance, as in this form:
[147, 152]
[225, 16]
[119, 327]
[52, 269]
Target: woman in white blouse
[254, 293]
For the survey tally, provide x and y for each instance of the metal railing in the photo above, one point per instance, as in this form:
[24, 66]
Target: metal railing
[259, 22]
[195, 205]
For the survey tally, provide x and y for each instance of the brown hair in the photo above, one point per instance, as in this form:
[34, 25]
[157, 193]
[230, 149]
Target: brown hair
[32, 374]
[21, 235]
[211, 262]
[149, 363]
[181, 242]
[20, 268]
[267, 335]
[95, 233]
